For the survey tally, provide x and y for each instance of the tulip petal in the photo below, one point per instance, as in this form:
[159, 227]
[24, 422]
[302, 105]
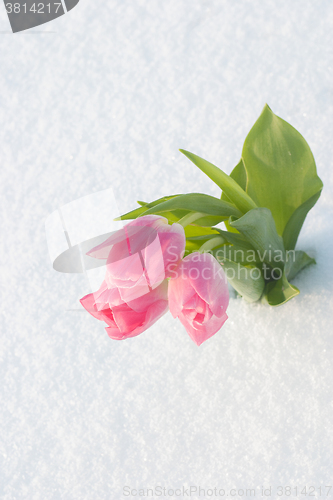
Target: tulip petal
[199, 335]
[172, 242]
[199, 296]
[154, 263]
[208, 279]
[124, 272]
[130, 230]
[154, 313]
[143, 302]
[180, 292]
[88, 302]
[126, 319]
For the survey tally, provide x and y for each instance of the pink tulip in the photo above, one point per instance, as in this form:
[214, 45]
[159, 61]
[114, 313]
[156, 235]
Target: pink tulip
[199, 296]
[139, 259]
[131, 319]
[140, 256]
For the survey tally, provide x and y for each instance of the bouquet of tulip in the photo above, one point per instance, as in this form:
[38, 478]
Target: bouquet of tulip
[173, 255]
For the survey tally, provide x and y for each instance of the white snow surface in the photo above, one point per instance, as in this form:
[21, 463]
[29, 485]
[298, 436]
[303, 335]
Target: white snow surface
[102, 98]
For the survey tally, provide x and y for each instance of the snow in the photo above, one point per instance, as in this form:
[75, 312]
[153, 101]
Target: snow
[102, 98]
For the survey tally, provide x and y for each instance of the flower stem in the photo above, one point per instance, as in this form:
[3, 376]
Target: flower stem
[212, 243]
[190, 218]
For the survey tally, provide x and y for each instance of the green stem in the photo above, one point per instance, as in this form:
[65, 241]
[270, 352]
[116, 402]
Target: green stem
[190, 218]
[212, 243]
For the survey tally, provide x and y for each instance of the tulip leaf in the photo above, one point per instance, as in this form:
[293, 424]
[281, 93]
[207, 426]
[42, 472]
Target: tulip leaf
[296, 261]
[202, 238]
[259, 229]
[144, 207]
[196, 236]
[246, 257]
[295, 223]
[209, 221]
[174, 216]
[279, 291]
[240, 176]
[133, 214]
[197, 202]
[281, 171]
[235, 239]
[231, 188]
[246, 280]
[192, 231]
[161, 200]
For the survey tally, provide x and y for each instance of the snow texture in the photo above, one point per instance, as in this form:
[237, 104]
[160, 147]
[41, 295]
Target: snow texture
[102, 98]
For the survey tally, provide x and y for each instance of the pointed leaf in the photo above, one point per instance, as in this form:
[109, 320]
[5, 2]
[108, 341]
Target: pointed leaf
[296, 261]
[295, 223]
[280, 167]
[224, 181]
[280, 291]
[240, 176]
[196, 202]
[144, 207]
[133, 214]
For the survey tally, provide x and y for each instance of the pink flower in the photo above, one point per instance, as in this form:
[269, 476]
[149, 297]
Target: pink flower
[139, 259]
[140, 256]
[199, 296]
[127, 319]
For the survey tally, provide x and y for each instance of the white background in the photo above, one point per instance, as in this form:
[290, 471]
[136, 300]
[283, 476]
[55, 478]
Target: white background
[104, 99]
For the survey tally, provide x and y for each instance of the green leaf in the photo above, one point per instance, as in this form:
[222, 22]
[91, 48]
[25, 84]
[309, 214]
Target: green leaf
[202, 238]
[240, 176]
[161, 200]
[246, 257]
[174, 216]
[209, 221]
[133, 214]
[196, 202]
[192, 231]
[246, 280]
[281, 171]
[235, 239]
[296, 261]
[234, 192]
[295, 223]
[280, 291]
[196, 236]
[144, 207]
[259, 229]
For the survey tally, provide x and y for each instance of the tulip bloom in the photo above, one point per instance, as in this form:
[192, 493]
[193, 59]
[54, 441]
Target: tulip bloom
[199, 296]
[127, 319]
[139, 259]
[140, 256]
